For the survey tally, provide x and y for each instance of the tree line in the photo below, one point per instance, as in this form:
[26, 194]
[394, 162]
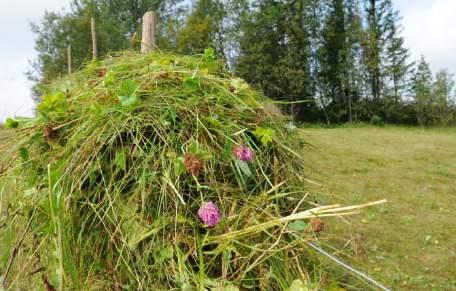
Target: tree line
[330, 61]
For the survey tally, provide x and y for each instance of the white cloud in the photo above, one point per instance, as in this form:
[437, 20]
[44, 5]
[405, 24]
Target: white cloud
[429, 31]
[16, 48]
[15, 97]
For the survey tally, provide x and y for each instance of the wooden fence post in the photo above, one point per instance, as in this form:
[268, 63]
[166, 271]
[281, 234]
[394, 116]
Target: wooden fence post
[69, 59]
[94, 39]
[148, 32]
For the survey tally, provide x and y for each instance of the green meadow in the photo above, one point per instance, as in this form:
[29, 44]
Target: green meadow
[409, 243]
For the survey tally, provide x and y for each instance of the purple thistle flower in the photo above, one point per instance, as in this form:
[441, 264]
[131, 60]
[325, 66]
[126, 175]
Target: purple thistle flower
[209, 214]
[243, 153]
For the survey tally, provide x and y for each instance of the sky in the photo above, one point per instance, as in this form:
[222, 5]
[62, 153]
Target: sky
[429, 30]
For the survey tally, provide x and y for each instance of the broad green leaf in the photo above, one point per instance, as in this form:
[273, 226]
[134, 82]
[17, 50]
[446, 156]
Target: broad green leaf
[297, 225]
[128, 88]
[264, 134]
[53, 105]
[128, 101]
[193, 147]
[204, 155]
[127, 93]
[191, 83]
[11, 123]
[179, 166]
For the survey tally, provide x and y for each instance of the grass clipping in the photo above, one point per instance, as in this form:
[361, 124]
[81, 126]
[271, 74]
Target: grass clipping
[156, 172]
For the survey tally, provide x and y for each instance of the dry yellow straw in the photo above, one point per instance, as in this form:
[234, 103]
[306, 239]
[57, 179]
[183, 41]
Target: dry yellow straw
[320, 211]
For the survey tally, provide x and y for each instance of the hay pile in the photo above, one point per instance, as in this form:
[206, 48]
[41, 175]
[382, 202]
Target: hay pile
[105, 187]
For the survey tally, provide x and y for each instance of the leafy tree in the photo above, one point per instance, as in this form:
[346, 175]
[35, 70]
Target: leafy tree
[373, 41]
[333, 53]
[54, 34]
[353, 79]
[262, 46]
[422, 88]
[275, 53]
[443, 95]
[237, 13]
[396, 58]
[294, 67]
[203, 28]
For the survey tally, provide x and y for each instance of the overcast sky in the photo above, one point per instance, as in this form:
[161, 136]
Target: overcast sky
[429, 29]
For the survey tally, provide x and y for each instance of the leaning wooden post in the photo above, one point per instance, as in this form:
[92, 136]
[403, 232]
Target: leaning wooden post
[69, 59]
[148, 32]
[94, 39]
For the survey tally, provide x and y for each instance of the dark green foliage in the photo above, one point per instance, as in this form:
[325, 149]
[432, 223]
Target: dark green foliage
[329, 61]
[203, 28]
[434, 98]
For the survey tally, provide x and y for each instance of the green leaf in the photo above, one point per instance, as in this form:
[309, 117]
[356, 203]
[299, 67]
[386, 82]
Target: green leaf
[191, 83]
[128, 101]
[297, 225]
[24, 153]
[193, 147]
[204, 155]
[52, 105]
[264, 134]
[244, 167]
[238, 85]
[128, 88]
[121, 160]
[127, 93]
[179, 166]
[11, 123]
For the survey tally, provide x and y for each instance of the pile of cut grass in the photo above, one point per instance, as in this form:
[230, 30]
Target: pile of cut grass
[103, 188]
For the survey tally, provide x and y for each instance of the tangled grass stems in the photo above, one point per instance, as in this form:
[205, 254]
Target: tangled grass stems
[123, 155]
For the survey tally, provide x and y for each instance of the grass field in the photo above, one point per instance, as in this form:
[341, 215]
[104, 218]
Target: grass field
[410, 243]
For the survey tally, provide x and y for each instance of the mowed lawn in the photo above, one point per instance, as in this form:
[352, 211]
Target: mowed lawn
[409, 243]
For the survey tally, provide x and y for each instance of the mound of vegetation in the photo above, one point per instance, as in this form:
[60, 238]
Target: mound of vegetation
[156, 172]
